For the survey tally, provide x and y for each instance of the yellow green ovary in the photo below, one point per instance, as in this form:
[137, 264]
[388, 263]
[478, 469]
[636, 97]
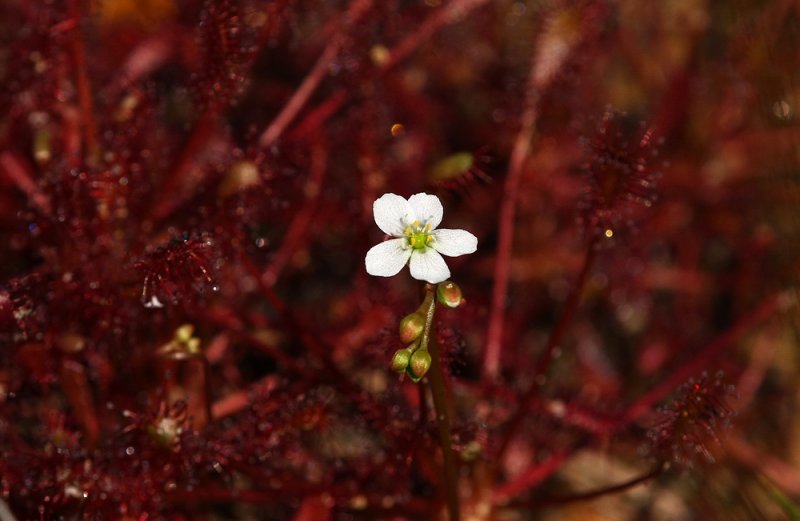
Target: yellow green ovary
[418, 236]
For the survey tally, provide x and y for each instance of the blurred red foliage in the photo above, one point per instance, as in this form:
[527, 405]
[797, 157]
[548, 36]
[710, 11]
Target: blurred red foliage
[187, 330]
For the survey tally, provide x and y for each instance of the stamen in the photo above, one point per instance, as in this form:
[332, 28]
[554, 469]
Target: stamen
[418, 235]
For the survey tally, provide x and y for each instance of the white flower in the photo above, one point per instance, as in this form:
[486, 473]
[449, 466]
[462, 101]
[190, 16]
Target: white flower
[417, 241]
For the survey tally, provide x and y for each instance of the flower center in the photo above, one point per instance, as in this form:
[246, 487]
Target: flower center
[418, 235]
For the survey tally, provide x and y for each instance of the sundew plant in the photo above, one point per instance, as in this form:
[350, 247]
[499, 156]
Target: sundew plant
[343, 260]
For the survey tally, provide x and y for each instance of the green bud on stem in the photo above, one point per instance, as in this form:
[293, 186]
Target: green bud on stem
[449, 294]
[400, 360]
[411, 327]
[419, 364]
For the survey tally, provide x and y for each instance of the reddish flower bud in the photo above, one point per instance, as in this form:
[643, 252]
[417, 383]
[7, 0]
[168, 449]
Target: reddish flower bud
[411, 327]
[419, 364]
[449, 294]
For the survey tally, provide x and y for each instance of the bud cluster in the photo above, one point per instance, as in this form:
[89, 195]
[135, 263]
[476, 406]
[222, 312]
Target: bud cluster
[415, 360]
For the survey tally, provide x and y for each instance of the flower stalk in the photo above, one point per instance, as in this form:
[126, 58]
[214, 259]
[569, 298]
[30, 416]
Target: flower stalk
[439, 394]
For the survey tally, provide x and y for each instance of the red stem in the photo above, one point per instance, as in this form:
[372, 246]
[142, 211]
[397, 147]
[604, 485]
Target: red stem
[782, 473]
[170, 187]
[275, 129]
[203, 128]
[592, 494]
[78, 52]
[450, 13]
[549, 55]
[301, 222]
[317, 116]
[439, 19]
[505, 231]
[239, 400]
[17, 171]
[570, 307]
[704, 356]
[531, 477]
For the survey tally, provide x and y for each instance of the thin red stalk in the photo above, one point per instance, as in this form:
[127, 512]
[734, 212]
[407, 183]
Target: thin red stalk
[239, 400]
[197, 140]
[316, 117]
[439, 19]
[531, 477]
[200, 134]
[505, 231]
[275, 129]
[17, 171]
[298, 228]
[780, 472]
[592, 494]
[145, 58]
[571, 306]
[564, 413]
[762, 358]
[704, 356]
[557, 335]
[446, 15]
[442, 409]
[71, 135]
[551, 51]
[443, 422]
[78, 52]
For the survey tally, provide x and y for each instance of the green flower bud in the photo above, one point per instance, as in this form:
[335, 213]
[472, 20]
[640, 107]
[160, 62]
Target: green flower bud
[411, 327]
[419, 364]
[400, 360]
[449, 294]
[411, 375]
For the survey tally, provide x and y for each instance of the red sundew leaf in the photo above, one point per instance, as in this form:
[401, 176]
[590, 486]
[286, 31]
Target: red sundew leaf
[621, 180]
[225, 51]
[682, 433]
[180, 269]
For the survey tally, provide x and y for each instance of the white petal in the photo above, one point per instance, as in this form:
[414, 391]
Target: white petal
[454, 242]
[392, 214]
[387, 258]
[428, 266]
[426, 209]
